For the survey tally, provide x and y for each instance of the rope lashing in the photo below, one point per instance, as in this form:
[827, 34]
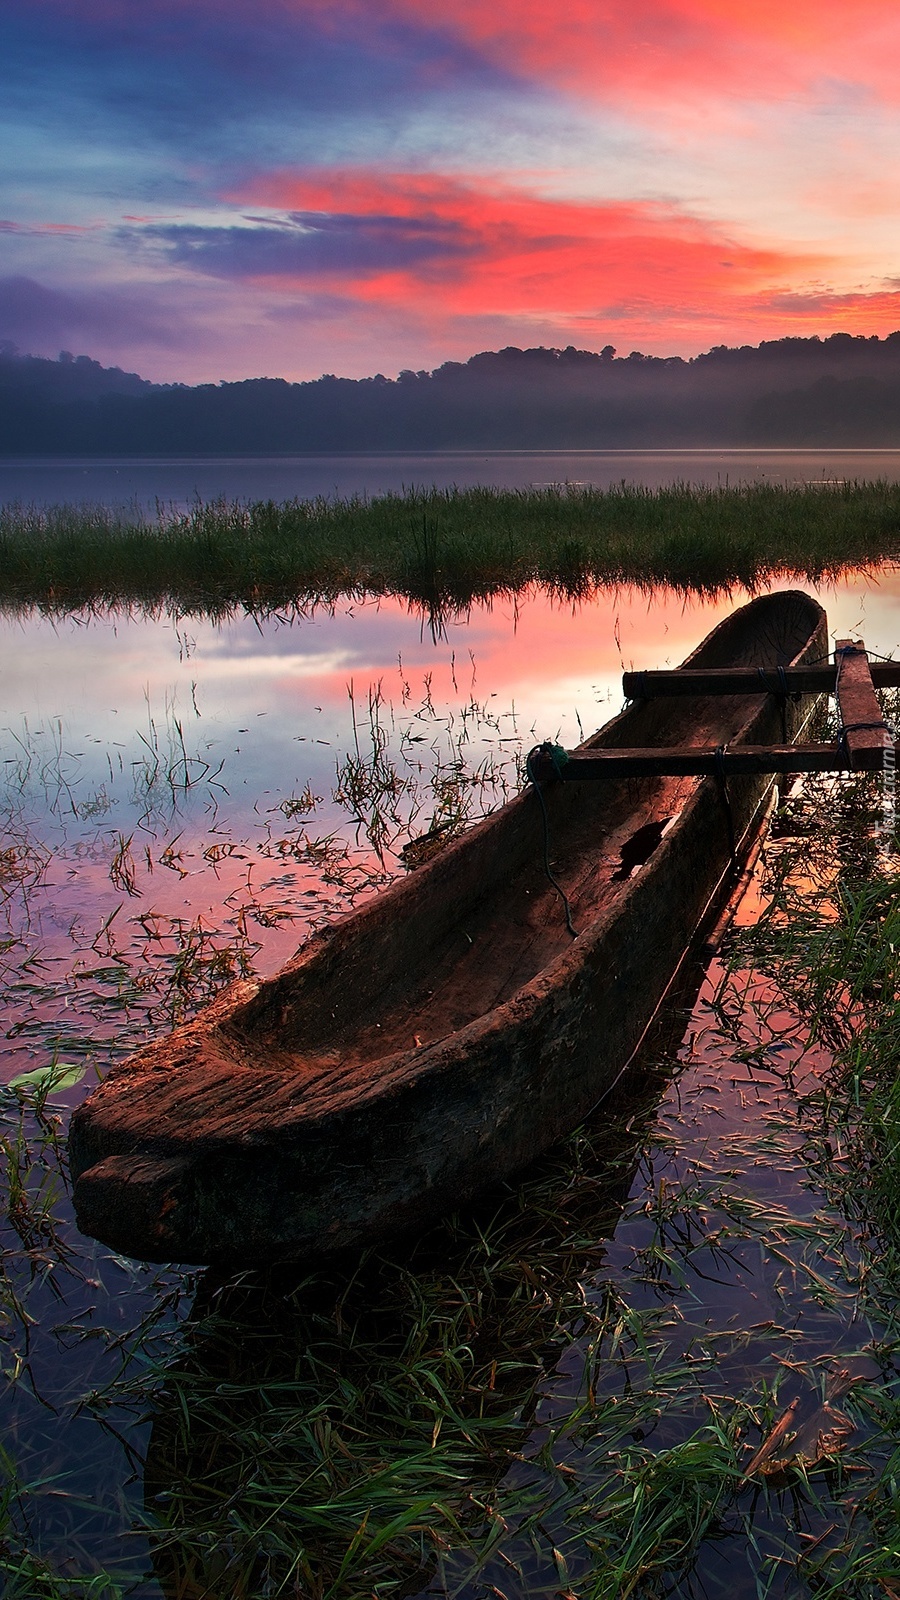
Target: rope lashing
[780, 685]
[859, 727]
[553, 757]
[876, 655]
[726, 804]
[554, 753]
[842, 652]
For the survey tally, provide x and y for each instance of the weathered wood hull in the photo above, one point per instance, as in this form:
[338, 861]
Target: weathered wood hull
[442, 1036]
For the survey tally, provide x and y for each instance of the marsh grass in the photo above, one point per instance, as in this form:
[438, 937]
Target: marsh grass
[413, 781]
[566, 1391]
[379, 1406]
[829, 934]
[442, 549]
[503, 1411]
[381, 1427]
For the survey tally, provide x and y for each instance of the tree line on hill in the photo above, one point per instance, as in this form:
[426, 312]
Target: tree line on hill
[841, 390]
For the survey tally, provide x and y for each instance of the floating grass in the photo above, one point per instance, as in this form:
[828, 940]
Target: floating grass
[442, 549]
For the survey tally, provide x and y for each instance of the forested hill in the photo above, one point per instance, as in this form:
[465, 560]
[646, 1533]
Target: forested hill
[840, 390]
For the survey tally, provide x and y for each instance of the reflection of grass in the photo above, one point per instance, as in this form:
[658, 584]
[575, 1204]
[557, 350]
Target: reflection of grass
[830, 938]
[389, 793]
[365, 1428]
[514, 1405]
[417, 1407]
[443, 547]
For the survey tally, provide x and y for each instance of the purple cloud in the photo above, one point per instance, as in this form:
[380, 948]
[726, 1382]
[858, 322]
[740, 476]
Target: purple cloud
[36, 318]
[310, 243]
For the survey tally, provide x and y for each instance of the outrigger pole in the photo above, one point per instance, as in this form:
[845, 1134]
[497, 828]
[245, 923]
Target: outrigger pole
[861, 744]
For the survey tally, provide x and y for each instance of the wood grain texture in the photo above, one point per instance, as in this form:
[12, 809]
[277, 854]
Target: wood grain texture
[738, 680]
[864, 732]
[443, 1035]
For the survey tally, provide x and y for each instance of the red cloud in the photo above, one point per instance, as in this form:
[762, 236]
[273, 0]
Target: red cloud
[663, 51]
[677, 48]
[525, 256]
[860, 312]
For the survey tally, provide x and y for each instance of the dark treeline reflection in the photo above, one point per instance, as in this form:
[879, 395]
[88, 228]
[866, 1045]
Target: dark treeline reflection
[841, 390]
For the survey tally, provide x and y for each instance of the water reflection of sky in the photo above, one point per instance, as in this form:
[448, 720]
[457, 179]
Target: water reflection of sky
[266, 692]
[264, 710]
[96, 712]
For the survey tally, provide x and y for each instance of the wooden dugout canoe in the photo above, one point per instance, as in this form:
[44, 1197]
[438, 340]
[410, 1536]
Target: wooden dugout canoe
[446, 1033]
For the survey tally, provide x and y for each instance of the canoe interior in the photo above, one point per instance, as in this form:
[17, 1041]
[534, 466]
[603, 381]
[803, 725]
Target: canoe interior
[478, 924]
[443, 1035]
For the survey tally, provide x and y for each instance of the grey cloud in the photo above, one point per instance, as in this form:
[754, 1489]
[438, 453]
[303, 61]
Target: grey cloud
[309, 243]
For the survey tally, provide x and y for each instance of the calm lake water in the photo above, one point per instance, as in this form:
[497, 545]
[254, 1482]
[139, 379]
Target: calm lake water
[123, 482]
[275, 701]
[177, 808]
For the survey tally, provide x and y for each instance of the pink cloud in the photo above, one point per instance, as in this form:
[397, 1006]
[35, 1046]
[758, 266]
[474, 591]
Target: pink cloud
[674, 49]
[518, 254]
[648, 50]
[35, 229]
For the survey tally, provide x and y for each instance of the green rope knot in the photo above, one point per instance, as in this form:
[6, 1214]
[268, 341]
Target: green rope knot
[554, 753]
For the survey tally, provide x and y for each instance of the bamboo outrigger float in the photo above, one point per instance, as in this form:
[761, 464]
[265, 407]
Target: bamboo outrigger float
[446, 1033]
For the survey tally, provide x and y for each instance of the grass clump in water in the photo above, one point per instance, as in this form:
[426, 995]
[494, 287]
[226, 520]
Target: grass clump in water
[442, 548]
[830, 937]
[373, 1436]
[553, 1395]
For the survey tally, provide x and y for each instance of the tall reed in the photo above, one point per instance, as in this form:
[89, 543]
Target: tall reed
[442, 548]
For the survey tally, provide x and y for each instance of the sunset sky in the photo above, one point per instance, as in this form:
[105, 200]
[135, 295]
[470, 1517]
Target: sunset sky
[206, 189]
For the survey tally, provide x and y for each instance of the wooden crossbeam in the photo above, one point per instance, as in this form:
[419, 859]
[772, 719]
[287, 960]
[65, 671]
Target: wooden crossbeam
[748, 680]
[864, 732]
[698, 761]
[853, 678]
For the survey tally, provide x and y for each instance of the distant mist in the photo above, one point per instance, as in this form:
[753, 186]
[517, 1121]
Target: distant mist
[843, 390]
